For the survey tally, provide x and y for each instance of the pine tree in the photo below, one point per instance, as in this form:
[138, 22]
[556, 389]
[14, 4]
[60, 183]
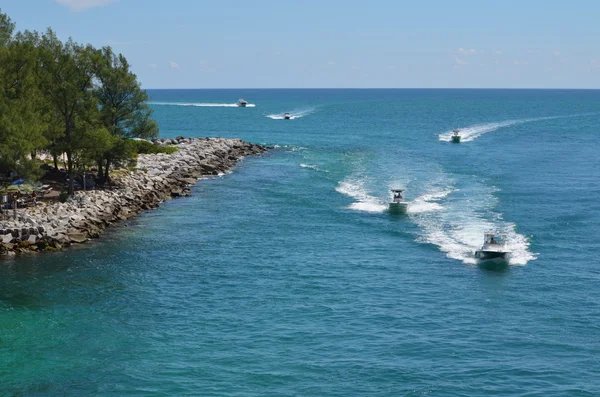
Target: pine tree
[123, 109]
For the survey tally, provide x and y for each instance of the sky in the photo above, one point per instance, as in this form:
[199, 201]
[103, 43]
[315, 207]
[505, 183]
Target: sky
[333, 43]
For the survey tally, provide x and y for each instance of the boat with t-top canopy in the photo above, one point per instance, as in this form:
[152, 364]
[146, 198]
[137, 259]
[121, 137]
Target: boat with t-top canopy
[398, 205]
[493, 249]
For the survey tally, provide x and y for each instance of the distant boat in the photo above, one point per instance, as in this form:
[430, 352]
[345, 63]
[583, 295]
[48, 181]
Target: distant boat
[398, 205]
[455, 136]
[287, 116]
[242, 103]
[493, 249]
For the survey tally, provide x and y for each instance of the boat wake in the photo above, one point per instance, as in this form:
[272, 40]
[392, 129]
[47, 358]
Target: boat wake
[364, 201]
[295, 114]
[451, 218]
[460, 219]
[427, 202]
[313, 167]
[201, 105]
[475, 131]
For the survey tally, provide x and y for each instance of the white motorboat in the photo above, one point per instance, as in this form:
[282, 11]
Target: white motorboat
[287, 116]
[242, 103]
[455, 136]
[398, 205]
[493, 249]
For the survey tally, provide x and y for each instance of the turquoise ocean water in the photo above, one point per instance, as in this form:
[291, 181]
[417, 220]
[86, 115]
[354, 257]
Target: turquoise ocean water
[287, 277]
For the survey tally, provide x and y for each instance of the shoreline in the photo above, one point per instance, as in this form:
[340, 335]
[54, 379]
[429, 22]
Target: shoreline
[87, 214]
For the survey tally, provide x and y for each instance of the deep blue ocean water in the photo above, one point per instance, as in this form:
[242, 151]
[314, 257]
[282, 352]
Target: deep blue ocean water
[287, 277]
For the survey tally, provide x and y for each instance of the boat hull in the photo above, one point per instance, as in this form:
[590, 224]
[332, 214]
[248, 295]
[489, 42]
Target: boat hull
[491, 255]
[398, 208]
[241, 105]
[455, 139]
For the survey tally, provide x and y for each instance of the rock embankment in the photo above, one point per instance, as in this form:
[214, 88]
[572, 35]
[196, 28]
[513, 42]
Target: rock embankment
[85, 215]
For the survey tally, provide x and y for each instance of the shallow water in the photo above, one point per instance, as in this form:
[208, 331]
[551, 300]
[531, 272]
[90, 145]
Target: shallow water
[289, 277]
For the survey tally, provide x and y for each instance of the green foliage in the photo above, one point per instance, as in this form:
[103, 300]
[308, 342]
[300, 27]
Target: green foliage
[167, 150]
[6, 29]
[145, 147]
[92, 145]
[124, 111]
[67, 98]
[21, 126]
[121, 149]
[66, 73]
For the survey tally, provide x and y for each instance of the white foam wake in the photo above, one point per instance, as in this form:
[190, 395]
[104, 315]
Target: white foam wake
[313, 167]
[457, 225]
[428, 202]
[461, 241]
[364, 201]
[202, 105]
[475, 131]
[291, 148]
[450, 218]
[295, 114]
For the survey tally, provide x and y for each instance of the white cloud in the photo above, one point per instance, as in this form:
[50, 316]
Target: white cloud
[595, 63]
[498, 52]
[556, 53]
[81, 5]
[391, 67]
[331, 63]
[459, 61]
[153, 66]
[355, 67]
[517, 62]
[467, 51]
[173, 65]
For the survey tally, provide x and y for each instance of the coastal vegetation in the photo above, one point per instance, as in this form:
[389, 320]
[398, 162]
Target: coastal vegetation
[65, 100]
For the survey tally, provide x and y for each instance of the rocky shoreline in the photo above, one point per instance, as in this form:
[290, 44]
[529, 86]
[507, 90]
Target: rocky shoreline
[85, 215]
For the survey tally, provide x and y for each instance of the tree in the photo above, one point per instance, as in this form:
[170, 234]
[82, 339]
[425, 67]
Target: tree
[91, 147]
[69, 99]
[7, 28]
[66, 73]
[21, 124]
[123, 109]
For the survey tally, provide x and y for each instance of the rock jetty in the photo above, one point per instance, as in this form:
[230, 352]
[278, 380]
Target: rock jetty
[85, 215]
